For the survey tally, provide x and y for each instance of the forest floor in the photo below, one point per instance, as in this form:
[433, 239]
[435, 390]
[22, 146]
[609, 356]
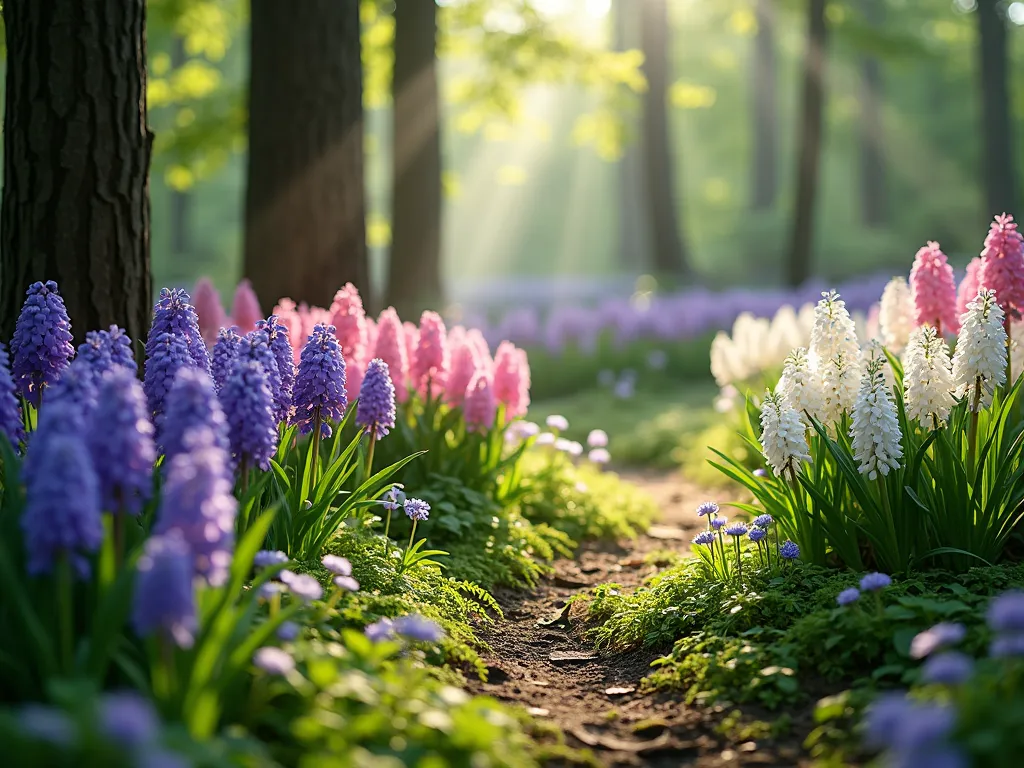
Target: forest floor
[540, 658]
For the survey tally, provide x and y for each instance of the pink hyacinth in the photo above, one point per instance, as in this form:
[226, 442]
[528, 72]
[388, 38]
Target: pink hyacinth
[349, 321]
[479, 343]
[355, 371]
[1002, 265]
[933, 290]
[462, 367]
[245, 309]
[390, 348]
[480, 406]
[371, 336]
[210, 311]
[512, 379]
[311, 317]
[412, 341]
[288, 315]
[969, 286]
[431, 363]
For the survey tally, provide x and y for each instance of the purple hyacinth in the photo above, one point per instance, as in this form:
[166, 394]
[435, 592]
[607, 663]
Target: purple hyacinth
[11, 424]
[78, 386]
[165, 600]
[173, 314]
[249, 410]
[383, 629]
[60, 418]
[1009, 644]
[873, 582]
[120, 440]
[128, 718]
[417, 509]
[948, 668]
[47, 724]
[320, 382]
[256, 346]
[1006, 612]
[789, 550]
[198, 500]
[166, 354]
[848, 596]
[375, 411]
[62, 509]
[41, 344]
[192, 403]
[104, 350]
[757, 534]
[763, 521]
[224, 353]
[941, 635]
[704, 538]
[415, 627]
[281, 345]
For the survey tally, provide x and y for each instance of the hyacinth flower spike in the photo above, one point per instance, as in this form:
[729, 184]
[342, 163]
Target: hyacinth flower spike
[319, 396]
[375, 411]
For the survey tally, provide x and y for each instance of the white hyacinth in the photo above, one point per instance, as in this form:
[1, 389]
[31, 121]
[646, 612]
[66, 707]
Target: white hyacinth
[840, 382]
[783, 436]
[834, 332]
[895, 317]
[979, 363]
[876, 427]
[800, 387]
[928, 378]
[726, 365]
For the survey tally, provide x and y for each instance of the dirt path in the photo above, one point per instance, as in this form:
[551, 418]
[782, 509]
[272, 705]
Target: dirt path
[540, 660]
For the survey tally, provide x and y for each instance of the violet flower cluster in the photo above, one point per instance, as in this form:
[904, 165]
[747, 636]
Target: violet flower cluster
[41, 345]
[320, 382]
[249, 410]
[192, 404]
[375, 410]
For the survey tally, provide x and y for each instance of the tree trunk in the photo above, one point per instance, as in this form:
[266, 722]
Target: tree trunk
[809, 143]
[765, 171]
[670, 257]
[1000, 173]
[414, 275]
[181, 200]
[873, 199]
[634, 236]
[76, 161]
[305, 208]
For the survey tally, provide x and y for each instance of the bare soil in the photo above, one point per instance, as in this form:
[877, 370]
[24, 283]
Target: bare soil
[541, 660]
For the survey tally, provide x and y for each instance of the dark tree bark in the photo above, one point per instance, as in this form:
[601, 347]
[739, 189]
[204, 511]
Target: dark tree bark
[873, 198]
[181, 201]
[1000, 173]
[76, 161]
[305, 208]
[414, 275]
[809, 142]
[634, 227]
[765, 170]
[670, 256]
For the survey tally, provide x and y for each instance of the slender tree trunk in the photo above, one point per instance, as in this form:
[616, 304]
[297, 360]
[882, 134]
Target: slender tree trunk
[765, 171]
[305, 208]
[414, 275]
[874, 201]
[670, 257]
[634, 234]
[181, 201]
[1000, 173]
[76, 161]
[809, 143]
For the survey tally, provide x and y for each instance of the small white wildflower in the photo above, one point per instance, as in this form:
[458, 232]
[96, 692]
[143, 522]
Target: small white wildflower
[928, 379]
[876, 427]
[800, 387]
[783, 436]
[894, 315]
[979, 363]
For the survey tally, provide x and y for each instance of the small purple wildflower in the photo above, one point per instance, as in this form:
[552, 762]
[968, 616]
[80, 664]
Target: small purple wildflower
[304, 586]
[415, 627]
[757, 534]
[346, 583]
[339, 566]
[941, 635]
[128, 718]
[267, 557]
[173, 314]
[417, 509]
[737, 529]
[271, 589]
[597, 438]
[394, 498]
[789, 550]
[11, 424]
[599, 456]
[763, 521]
[1006, 612]
[164, 595]
[288, 631]
[274, 661]
[375, 411]
[41, 345]
[873, 582]
[249, 411]
[704, 538]
[47, 724]
[707, 508]
[848, 596]
[382, 629]
[557, 422]
[760, 472]
[545, 438]
[225, 352]
[948, 668]
[320, 382]
[1005, 645]
[719, 522]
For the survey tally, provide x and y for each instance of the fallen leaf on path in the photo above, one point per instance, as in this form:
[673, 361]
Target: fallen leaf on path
[539, 711]
[539, 682]
[558, 656]
[619, 745]
[562, 617]
[619, 691]
[569, 583]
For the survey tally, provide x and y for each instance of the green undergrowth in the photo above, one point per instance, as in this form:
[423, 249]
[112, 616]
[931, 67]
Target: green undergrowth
[778, 638]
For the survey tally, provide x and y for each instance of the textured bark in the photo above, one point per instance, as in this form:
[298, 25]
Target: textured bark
[1000, 173]
[765, 167]
[76, 161]
[873, 197]
[305, 220]
[414, 276]
[809, 142]
[670, 257]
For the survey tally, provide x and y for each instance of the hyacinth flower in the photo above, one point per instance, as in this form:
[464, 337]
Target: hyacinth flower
[283, 354]
[969, 286]
[319, 397]
[933, 290]
[209, 310]
[105, 350]
[164, 603]
[256, 346]
[390, 347]
[430, 365]
[480, 406]
[464, 364]
[895, 315]
[245, 308]
[11, 423]
[288, 316]
[249, 411]
[375, 410]
[173, 314]
[512, 381]
[120, 441]
[411, 338]
[800, 387]
[783, 437]
[349, 320]
[41, 346]
[928, 379]
[225, 351]
[876, 428]
[191, 404]
[166, 354]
